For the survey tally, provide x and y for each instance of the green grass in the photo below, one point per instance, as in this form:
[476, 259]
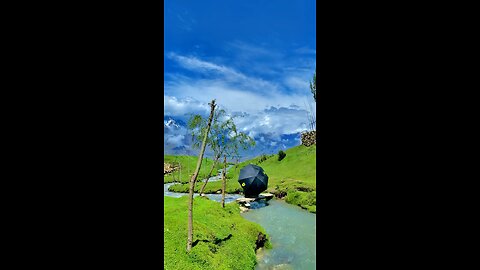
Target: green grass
[188, 164]
[295, 175]
[213, 226]
[297, 169]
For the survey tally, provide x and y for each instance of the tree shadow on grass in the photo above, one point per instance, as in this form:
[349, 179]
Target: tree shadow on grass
[216, 242]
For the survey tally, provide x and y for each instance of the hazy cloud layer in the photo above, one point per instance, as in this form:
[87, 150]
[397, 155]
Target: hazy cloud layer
[270, 109]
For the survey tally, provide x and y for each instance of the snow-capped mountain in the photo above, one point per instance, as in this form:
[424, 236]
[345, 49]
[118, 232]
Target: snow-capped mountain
[177, 141]
[170, 122]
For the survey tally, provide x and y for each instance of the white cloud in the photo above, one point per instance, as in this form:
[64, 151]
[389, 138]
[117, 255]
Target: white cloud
[247, 50]
[231, 97]
[239, 93]
[299, 83]
[229, 74]
[193, 63]
[174, 139]
[179, 107]
[274, 122]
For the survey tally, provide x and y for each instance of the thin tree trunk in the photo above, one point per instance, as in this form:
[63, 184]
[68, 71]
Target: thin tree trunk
[236, 165]
[223, 180]
[173, 174]
[209, 175]
[194, 179]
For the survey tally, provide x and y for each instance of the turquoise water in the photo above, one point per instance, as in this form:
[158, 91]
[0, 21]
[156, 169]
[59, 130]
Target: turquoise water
[292, 232]
[216, 197]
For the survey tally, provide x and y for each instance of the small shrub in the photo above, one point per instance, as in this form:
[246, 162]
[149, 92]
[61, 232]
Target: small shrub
[263, 157]
[281, 155]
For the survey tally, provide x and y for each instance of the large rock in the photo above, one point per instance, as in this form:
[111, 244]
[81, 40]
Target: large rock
[261, 239]
[309, 138]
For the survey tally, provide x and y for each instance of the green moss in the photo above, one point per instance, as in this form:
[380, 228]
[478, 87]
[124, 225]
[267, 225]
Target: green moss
[306, 200]
[226, 239]
[212, 187]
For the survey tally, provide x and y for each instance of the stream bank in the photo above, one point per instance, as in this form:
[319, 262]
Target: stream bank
[291, 231]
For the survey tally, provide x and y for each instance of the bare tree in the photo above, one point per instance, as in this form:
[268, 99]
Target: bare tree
[313, 86]
[214, 140]
[224, 180]
[223, 138]
[218, 138]
[235, 141]
[311, 117]
[179, 172]
[194, 178]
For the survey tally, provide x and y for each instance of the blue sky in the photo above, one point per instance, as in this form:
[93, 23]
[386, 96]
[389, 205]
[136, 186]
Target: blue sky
[254, 57]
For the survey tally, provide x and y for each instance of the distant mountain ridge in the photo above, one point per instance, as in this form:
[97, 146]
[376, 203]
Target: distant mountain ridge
[177, 141]
[170, 122]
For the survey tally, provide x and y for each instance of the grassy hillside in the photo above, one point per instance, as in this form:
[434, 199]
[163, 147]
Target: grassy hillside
[188, 164]
[226, 239]
[297, 169]
[293, 177]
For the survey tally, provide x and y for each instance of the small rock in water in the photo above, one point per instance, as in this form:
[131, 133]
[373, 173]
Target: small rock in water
[260, 254]
[243, 209]
[219, 192]
[283, 266]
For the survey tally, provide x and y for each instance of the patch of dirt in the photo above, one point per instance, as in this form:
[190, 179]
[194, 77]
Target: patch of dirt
[304, 189]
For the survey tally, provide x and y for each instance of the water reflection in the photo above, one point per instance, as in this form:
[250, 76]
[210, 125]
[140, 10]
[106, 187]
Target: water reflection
[258, 204]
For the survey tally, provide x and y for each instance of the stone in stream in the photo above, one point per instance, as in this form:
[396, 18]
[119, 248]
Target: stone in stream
[283, 266]
[260, 253]
[245, 200]
[267, 196]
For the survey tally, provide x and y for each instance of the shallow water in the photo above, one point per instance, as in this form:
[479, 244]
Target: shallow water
[215, 197]
[292, 232]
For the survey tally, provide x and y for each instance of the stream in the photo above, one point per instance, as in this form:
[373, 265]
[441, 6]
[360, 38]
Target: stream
[215, 197]
[292, 231]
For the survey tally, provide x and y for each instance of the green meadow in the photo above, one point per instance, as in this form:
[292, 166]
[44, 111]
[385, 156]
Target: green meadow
[188, 164]
[222, 238]
[292, 178]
